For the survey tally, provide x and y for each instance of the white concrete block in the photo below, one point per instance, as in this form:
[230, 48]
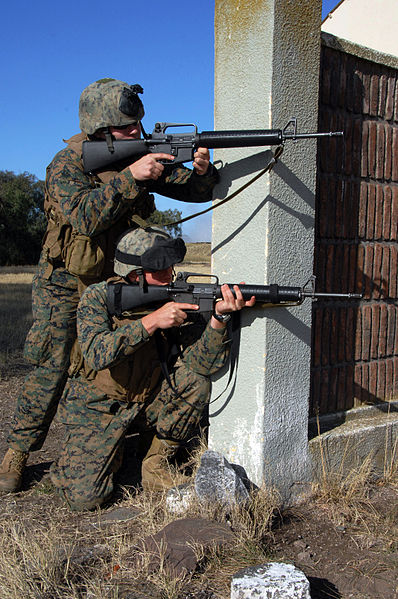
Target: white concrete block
[270, 581]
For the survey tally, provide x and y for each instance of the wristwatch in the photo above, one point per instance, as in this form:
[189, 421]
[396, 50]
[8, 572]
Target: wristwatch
[222, 317]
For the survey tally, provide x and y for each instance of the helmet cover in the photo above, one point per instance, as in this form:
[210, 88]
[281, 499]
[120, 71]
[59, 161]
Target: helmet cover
[150, 249]
[109, 103]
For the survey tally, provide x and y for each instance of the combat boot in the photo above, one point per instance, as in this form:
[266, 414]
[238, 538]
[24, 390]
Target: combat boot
[11, 470]
[156, 472]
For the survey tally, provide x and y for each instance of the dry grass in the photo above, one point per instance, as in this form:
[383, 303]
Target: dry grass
[88, 559]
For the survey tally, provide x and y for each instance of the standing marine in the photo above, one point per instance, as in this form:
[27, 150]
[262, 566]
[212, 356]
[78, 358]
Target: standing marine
[86, 214]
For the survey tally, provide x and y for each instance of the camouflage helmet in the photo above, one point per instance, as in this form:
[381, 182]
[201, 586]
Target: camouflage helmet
[109, 103]
[151, 249]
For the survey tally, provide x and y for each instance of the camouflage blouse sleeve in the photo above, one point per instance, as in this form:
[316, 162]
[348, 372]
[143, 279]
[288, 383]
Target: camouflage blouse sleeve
[91, 210]
[101, 345]
[185, 185]
[208, 353]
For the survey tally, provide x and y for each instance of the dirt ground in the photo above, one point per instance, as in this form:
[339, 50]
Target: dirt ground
[343, 556]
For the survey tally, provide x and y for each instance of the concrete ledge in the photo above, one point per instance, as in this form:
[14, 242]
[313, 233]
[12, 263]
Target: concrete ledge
[367, 433]
[348, 47]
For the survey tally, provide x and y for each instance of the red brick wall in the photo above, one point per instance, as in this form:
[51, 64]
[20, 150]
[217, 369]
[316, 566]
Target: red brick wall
[355, 344]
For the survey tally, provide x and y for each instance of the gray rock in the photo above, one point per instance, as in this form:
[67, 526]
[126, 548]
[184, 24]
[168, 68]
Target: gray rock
[270, 581]
[179, 499]
[217, 480]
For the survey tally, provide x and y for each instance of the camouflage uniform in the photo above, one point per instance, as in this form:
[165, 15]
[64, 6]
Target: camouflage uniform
[99, 407]
[99, 208]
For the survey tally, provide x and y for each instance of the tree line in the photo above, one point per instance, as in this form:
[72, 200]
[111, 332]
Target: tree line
[23, 222]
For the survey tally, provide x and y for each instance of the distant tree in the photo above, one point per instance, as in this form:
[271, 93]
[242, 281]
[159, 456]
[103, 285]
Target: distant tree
[165, 219]
[22, 219]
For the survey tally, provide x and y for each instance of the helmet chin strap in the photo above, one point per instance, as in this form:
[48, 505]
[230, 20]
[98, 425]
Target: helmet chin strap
[141, 279]
[109, 140]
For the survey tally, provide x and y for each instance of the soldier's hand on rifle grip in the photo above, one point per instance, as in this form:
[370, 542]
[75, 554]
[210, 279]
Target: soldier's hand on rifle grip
[148, 166]
[201, 160]
[170, 315]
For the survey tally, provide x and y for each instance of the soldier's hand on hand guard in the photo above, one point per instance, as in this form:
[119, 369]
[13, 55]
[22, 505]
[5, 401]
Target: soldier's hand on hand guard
[201, 161]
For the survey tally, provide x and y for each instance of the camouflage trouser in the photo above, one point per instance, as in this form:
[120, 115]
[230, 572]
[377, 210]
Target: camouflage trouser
[96, 426]
[48, 345]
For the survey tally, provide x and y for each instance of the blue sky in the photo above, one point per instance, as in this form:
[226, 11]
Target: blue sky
[51, 51]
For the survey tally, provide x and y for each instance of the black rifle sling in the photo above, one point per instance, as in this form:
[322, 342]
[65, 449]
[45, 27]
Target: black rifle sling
[175, 351]
[233, 364]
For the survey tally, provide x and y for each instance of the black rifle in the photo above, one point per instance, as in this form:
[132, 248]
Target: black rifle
[97, 154]
[123, 298]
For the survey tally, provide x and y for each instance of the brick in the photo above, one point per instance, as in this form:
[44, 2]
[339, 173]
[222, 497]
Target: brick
[357, 88]
[393, 276]
[349, 390]
[392, 323]
[374, 95]
[371, 211]
[352, 272]
[380, 150]
[378, 230]
[343, 80]
[356, 147]
[375, 331]
[381, 109]
[389, 378]
[362, 210]
[325, 74]
[364, 152]
[389, 108]
[394, 168]
[334, 195]
[368, 271]
[373, 372]
[334, 335]
[366, 331]
[365, 93]
[372, 149]
[385, 271]
[348, 146]
[395, 380]
[340, 340]
[329, 267]
[365, 383]
[337, 268]
[358, 382]
[341, 389]
[376, 277]
[326, 325]
[353, 211]
[345, 272]
[388, 153]
[382, 353]
[395, 115]
[333, 379]
[349, 334]
[387, 203]
[394, 214]
[358, 335]
[381, 380]
[360, 275]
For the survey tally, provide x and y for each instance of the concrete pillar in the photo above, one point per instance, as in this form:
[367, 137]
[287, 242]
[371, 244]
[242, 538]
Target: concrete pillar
[266, 71]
